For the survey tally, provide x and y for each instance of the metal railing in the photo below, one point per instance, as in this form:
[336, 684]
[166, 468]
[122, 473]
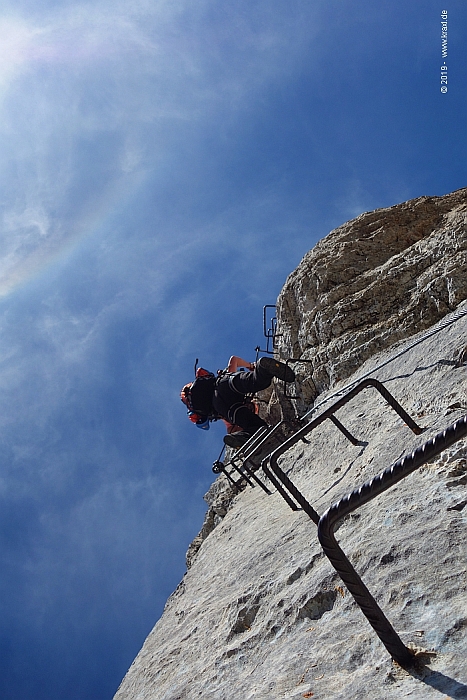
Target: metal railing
[250, 452]
[269, 332]
[359, 497]
[278, 477]
[248, 457]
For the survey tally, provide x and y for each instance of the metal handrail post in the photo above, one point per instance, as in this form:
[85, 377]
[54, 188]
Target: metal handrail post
[300, 434]
[359, 497]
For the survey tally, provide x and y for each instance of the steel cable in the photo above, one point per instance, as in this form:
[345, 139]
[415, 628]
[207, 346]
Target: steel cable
[444, 323]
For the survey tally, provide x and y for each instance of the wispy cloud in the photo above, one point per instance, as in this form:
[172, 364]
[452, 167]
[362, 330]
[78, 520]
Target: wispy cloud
[94, 95]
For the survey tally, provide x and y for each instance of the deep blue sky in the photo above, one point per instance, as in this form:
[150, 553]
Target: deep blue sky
[163, 167]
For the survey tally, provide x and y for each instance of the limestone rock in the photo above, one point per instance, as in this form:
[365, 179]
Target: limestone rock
[373, 281]
[261, 614]
[219, 498]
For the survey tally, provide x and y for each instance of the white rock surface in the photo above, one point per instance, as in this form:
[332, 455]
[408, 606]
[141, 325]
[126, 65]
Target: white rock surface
[262, 614]
[373, 281]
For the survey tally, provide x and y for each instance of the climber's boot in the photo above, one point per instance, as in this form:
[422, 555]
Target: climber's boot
[276, 368]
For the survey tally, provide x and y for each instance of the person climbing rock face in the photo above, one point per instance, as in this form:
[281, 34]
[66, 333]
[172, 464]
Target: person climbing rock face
[228, 396]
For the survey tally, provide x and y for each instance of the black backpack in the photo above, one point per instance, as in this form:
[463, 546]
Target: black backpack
[197, 396]
[201, 392]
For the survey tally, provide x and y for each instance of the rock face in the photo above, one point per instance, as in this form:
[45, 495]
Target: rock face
[261, 613]
[370, 283]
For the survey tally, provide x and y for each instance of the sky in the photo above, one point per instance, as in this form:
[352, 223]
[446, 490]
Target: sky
[163, 167]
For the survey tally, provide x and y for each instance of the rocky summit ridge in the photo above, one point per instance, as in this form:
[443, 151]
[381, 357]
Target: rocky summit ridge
[261, 613]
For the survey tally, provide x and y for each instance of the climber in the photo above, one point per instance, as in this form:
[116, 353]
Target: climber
[228, 396]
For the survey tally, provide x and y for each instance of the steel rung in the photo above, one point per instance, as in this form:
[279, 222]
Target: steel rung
[264, 439]
[369, 490]
[249, 444]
